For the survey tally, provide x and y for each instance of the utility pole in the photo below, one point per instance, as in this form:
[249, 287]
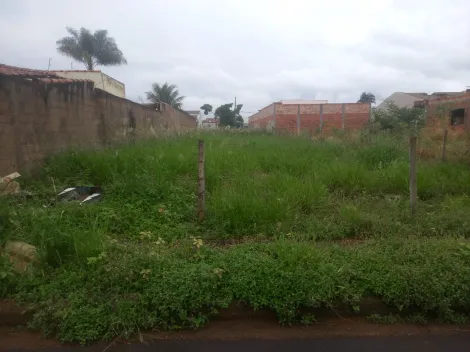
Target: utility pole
[235, 106]
[49, 65]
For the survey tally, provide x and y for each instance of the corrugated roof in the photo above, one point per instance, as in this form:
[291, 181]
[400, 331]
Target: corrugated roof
[36, 75]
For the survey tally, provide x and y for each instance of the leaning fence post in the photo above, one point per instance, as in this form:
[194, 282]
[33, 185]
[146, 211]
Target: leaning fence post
[413, 182]
[201, 182]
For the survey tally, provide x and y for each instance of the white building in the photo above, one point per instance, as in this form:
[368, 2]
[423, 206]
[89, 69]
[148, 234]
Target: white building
[101, 80]
[210, 123]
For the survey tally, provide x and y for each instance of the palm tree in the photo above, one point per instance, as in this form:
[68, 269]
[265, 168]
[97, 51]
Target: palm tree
[167, 93]
[91, 49]
[367, 98]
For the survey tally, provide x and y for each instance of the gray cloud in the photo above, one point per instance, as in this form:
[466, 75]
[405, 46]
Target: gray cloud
[257, 50]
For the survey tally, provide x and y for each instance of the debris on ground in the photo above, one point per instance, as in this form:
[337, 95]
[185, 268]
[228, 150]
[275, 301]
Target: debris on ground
[82, 194]
[21, 255]
[8, 186]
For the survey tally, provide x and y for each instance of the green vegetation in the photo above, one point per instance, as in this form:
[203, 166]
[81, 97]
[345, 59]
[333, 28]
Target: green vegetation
[367, 98]
[227, 114]
[291, 226]
[394, 118]
[166, 93]
[91, 49]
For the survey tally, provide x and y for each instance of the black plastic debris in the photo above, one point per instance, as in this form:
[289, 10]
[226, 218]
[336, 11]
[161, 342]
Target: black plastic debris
[83, 194]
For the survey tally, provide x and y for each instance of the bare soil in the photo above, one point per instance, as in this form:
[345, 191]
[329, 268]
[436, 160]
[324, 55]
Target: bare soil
[236, 326]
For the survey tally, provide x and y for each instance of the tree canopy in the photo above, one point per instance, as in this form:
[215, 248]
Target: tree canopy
[166, 93]
[395, 118]
[91, 49]
[207, 108]
[228, 116]
[367, 98]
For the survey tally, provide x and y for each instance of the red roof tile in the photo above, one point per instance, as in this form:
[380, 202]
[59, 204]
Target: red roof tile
[39, 75]
[76, 70]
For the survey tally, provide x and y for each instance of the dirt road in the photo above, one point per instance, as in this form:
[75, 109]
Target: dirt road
[255, 335]
[360, 344]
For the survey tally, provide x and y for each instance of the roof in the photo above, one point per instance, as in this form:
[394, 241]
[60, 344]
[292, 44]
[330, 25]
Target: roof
[35, 75]
[418, 95]
[76, 70]
[407, 100]
[433, 95]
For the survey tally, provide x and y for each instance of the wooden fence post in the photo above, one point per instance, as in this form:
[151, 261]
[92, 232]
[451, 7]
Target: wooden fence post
[321, 118]
[444, 146]
[413, 181]
[342, 116]
[201, 182]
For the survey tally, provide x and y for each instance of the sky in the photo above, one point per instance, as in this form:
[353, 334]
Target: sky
[258, 51]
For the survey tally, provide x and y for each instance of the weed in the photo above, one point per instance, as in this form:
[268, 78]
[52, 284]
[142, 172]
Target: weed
[139, 260]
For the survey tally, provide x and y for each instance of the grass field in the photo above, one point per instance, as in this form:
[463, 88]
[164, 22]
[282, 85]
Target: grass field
[292, 224]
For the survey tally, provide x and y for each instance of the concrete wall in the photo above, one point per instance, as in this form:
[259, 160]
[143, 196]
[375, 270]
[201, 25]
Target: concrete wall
[311, 117]
[38, 120]
[101, 80]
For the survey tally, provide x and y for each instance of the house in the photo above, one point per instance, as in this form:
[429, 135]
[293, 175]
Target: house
[453, 107]
[407, 100]
[100, 79]
[210, 123]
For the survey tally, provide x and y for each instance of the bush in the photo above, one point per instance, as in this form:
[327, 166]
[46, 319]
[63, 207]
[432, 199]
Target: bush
[129, 289]
[394, 118]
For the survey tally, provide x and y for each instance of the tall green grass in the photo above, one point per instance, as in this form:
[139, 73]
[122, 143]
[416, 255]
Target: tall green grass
[257, 185]
[136, 260]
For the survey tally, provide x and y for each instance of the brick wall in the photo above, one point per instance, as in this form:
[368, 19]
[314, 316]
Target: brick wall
[434, 116]
[38, 120]
[311, 117]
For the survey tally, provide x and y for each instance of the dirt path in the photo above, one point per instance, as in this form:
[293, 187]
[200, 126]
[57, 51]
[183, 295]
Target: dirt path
[260, 328]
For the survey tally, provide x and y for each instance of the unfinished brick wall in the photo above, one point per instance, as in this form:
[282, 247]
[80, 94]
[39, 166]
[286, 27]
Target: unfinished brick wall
[263, 119]
[438, 111]
[311, 117]
[38, 120]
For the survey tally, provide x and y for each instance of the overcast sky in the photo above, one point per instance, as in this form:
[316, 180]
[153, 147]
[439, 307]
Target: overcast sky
[257, 50]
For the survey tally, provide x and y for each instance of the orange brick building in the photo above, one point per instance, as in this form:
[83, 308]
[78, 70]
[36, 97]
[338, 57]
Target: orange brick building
[297, 116]
[455, 109]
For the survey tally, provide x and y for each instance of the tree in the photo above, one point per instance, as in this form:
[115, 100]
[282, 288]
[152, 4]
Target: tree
[367, 98]
[91, 49]
[207, 108]
[398, 119]
[229, 117]
[167, 93]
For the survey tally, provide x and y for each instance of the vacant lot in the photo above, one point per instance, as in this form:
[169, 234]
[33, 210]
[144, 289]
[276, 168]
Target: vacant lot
[291, 225]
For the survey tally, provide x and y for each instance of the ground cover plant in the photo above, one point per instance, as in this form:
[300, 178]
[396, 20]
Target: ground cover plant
[293, 224]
